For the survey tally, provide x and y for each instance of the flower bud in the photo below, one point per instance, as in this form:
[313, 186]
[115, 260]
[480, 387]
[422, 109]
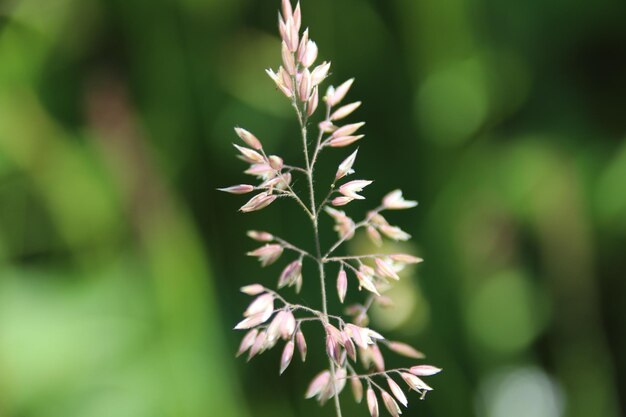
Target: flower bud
[249, 138]
[335, 96]
[345, 111]
[372, 402]
[344, 141]
[238, 189]
[342, 285]
[345, 168]
[286, 357]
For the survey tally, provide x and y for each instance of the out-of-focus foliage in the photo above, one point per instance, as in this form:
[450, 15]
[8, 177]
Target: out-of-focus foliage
[120, 263]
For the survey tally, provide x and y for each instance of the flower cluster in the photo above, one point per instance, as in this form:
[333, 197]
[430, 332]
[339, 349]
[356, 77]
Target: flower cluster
[270, 318]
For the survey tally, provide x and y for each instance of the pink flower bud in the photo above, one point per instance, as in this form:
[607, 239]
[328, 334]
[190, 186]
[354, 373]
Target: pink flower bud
[320, 73]
[341, 201]
[254, 320]
[350, 189]
[425, 370]
[345, 111]
[390, 404]
[395, 233]
[374, 236]
[415, 383]
[249, 138]
[345, 168]
[395, 201]
[290, 274]
[304, 41]
[344, 141]
[349, 346]
[372, 402]
[405, 350]
[260, 304]
[238, 189]
[301, 342]
[288, 60]
[304, 86]
[335, 96]
[318, 384]
[254, 289]
[249, 155]
[288, 326]
[377, 358]
[357, 389]
[287, 10]
[327, 127]
[297, 17]
[311, 54]
[247, 341]
[313, 102]
[276, 162]
[258, 346]
[267, 254]
[258, 202]
[365, 281]
[383, 269]
[406, 259]
[286, 357]
[260, 236]
[347, 130]
[342, 285]
[397, 391]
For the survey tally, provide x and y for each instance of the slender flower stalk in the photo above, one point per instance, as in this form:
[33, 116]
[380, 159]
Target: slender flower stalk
[270, 318]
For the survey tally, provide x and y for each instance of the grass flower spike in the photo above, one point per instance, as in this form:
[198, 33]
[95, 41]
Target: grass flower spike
[354, 351]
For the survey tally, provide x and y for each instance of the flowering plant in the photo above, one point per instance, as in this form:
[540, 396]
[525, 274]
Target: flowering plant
[270, 317]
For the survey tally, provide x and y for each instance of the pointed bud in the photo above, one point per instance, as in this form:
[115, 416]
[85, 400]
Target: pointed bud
[406, 259]
[405, 350]
[374, 236]
[287, 10]
[341, 201]
[383, 269]
[320, 73]
[395, 201]
[333, 98]
[276, 162]
[249, 138]
[247, 341]
[345, 168]
[397, 391]
[318, 384]
[342, 285]
[254, 289]
[415, 383]
[288, 60]
[395, 233]
[301, 342]
[377, 358]
[357, 389]
[304, 88]
[260, 236]
[249, 155]
[258, 346]
[260, 304]
[347, 130]
[372, 402]
[345, 111]
[365, 281]
[390, 404]
[290, 274]
[267, 254]
[425, 370]
[313, 102]
[348, 344]
[254, 320]
[238, 189]
[350, 189]
[302, 48]
[311, 54]
[297, 17]
[286, 357]
[327, 127]
[288, 326]
[344, 141]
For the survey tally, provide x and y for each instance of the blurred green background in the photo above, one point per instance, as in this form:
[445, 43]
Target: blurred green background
[120, 262]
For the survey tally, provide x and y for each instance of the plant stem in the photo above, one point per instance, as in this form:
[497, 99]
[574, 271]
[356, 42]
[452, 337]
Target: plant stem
[314, 217]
